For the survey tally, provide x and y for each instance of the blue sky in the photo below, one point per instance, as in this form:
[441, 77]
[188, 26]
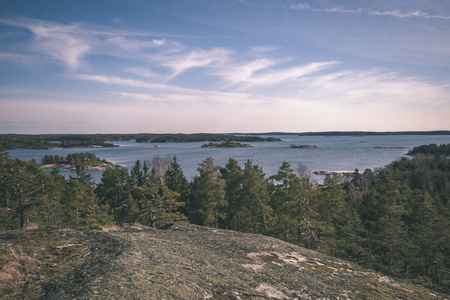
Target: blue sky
[224, 66]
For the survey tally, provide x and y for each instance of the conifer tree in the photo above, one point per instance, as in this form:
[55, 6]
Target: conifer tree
[157, 205]
[175, 179]
[114, 191]
[207, 204]
[23, 190]
[233, 177]
[295, 218]
[53, 190]
[137, 174]
[255, 198]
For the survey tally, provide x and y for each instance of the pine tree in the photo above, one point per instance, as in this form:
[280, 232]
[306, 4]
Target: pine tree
[207, 204]
[54, 185]
[23, 190]
[114, 191]
[157, 205]
[233, 177]
[137, 174]
[295, 218]
[175, 179]
[255, 198]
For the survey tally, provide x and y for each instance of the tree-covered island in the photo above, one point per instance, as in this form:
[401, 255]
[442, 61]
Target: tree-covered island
[85, 160]
[302, 146]
[227, 144]
[52, 141]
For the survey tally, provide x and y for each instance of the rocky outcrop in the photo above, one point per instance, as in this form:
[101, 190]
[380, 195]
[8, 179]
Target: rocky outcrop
[185, 261]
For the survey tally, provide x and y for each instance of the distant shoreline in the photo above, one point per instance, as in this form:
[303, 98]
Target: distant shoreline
[355, 132]
[352, 133]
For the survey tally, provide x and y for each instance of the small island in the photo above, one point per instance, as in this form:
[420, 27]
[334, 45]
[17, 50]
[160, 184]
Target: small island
[71, 161]
[335, 173]
[226, 144]
[302, 147]
[387, 147]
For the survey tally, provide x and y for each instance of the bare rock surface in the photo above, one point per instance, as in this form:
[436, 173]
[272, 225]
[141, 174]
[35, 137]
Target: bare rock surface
[185, 261]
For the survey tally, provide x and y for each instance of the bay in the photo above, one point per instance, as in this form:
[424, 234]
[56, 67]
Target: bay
[334, 153]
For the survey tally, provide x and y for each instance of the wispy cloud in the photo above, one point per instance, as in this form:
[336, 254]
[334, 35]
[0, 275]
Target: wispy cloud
[142, 72]
[369, 11]
[257, 80]
[248, 77]
[116, 80]
[234, 74]
[341, 97]
[18, 58]
[278, 76]
[71, 43]
[61, 42]
[141, 45]
[258, 50]
[128, 44]
[196, 59]
[300, 6]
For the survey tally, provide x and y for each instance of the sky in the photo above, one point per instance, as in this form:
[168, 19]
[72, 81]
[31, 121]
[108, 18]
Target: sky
[219, 66]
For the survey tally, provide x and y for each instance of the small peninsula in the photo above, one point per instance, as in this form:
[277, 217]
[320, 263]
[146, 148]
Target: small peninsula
[227, 144]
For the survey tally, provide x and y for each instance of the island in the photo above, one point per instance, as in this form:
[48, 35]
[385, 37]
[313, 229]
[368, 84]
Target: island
[200, 137]
[54, 141]
[387, 147]
[302, 147]
[227, 144]
[85, 159]
[335, 173]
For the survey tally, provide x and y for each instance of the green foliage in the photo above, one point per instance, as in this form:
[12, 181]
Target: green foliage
[207, 204]
[226, 144]
[83, 158]
[177, 182]
[22, 192]
[43, 141]
[157, 205]
[233, 177]
[394, 220]
[114, 191]
[137, 174]
[255, 198]
[431, 149]
[199, 137]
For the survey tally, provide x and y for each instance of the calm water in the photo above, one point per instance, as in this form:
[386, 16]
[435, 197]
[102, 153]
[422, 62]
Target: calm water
[336, 153]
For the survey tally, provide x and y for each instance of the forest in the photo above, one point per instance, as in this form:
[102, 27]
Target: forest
[49, 141]
[393, 219]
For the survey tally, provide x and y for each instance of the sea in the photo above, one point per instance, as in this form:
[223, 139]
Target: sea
[333, 153]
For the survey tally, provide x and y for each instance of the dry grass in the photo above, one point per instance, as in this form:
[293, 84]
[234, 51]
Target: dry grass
[124, 227]
[111, 228]
[31, 226]
[17, 266]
